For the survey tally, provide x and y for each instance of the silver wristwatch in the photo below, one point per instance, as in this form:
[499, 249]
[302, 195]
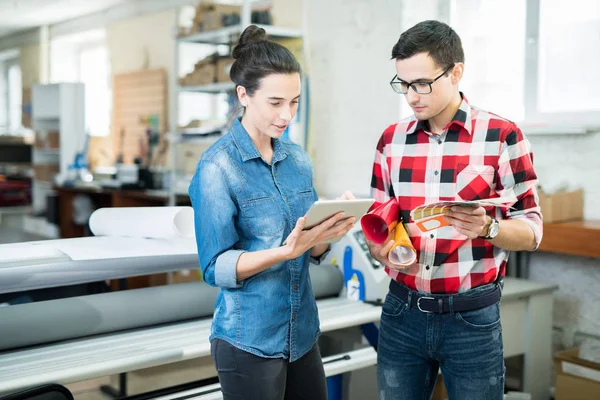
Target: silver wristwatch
[493, 229]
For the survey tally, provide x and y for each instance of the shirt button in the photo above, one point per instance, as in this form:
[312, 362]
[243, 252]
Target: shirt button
[293, 317]
[436, 172]
[439, 142]
[427, 267]
[296, 287]
[431, 236]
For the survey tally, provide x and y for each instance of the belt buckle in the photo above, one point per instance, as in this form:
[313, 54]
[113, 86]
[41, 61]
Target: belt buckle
[419, 303]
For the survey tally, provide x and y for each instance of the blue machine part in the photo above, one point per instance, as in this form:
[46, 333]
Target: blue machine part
[355, 281]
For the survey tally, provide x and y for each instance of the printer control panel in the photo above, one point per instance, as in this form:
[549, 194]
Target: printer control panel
[359, 236]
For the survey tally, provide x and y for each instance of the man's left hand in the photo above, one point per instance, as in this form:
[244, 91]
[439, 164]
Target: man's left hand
[468, 221]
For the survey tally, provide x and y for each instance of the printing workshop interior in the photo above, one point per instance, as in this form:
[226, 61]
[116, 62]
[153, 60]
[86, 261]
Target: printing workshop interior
[299, 199]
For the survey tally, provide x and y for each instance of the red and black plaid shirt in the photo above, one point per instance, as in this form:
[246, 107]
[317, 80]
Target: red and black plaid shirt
[479, 155]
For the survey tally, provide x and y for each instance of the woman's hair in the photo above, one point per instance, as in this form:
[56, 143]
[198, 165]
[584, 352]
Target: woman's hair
[256, 57]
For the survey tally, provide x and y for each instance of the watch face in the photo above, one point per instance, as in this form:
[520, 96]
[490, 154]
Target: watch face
[494, 229]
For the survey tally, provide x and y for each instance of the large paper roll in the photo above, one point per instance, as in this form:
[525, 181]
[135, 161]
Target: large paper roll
[326, 280]
[378, 223]
[75, 317]
[146, 222]
[403, 253]
[55, 320]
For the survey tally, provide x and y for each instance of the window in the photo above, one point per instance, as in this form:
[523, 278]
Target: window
[15, 93]
[11, 93]
[569, 39]
[492, 34]
[533, 61]
[94, 74]
[84, 58]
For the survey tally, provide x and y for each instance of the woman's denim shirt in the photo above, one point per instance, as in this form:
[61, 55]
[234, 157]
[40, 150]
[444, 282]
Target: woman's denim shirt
[241, 203]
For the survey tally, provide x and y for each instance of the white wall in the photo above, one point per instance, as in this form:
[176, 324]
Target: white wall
[142, 42]
[29, 60]
[351, 102]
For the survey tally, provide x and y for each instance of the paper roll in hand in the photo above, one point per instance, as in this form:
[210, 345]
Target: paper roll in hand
[378, 223]
[403, 253]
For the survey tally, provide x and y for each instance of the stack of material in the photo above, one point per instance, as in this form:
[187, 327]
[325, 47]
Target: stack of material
[211, 16]
[209, 70]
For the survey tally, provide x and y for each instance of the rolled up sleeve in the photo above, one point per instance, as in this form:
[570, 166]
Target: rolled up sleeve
[318, 260]
[516, 175]
[214, 221]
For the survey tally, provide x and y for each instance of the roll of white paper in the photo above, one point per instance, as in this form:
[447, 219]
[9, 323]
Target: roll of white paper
[146, 222]
[402, 255]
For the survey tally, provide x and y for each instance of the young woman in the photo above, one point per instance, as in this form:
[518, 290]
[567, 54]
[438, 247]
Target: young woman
[249, 194]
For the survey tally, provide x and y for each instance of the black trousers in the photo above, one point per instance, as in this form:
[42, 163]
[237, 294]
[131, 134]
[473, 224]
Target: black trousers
[249, 377]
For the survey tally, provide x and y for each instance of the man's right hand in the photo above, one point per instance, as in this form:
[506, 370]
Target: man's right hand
[380, 252]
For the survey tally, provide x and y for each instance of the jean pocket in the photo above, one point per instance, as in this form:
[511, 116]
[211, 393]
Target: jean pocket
[486, 318]
[393, 306]
[223, 355]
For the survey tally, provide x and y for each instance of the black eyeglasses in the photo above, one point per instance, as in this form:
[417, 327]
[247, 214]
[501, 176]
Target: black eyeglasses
[402, 87]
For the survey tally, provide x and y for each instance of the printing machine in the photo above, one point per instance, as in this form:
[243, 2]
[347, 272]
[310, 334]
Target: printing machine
[74, 339]
[78, 338]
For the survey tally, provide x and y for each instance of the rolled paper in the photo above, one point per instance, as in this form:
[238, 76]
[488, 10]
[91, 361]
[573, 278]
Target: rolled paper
[403, 253]
[378, 223]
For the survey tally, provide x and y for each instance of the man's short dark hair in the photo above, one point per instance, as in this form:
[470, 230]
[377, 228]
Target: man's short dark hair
[434, 37]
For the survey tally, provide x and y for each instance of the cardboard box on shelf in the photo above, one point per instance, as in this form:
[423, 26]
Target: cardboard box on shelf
[211, 16]
[562, 206]
[576, 379]
[187, 275]
[47, 140]
[53, 139]
[204, 73]
[45, 172]
[223, 67]
[188, 155]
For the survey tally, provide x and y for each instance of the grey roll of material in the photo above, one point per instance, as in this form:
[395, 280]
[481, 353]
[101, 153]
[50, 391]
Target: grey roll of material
[50, 321]
[54, 320]
[326, 280]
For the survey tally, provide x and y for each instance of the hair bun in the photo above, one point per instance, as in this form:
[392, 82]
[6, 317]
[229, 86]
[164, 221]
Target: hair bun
[251, 35]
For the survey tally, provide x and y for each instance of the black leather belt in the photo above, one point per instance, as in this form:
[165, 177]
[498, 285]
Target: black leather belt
[440, 304]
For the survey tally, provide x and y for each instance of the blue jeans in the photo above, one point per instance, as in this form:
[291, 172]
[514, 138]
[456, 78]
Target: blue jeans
[413, 345]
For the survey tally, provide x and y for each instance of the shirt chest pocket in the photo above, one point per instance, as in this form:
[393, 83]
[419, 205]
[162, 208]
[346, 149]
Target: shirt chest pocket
[474, 182]
[305, 199]
[262, 216]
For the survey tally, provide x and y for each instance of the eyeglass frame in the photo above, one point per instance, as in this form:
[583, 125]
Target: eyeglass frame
[410, 84]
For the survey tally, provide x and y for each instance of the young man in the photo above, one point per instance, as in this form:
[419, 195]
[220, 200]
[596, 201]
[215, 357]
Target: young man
[443, 311]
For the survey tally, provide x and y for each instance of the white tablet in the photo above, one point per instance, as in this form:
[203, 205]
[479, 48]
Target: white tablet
[321, 210]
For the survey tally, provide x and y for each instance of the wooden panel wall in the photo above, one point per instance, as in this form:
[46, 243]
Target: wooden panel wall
[136, 96]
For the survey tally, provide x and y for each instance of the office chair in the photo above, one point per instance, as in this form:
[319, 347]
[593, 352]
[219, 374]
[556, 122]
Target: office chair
[43, 392]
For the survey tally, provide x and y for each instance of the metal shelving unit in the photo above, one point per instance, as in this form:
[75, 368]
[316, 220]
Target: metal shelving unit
[224, 36]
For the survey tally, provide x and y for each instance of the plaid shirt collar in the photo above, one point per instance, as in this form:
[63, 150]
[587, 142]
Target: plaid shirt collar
[461, 119]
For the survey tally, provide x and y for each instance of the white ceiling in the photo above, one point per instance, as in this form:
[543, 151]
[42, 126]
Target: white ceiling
[17, 15]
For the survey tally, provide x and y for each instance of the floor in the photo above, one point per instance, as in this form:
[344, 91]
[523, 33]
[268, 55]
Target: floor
[147, 379]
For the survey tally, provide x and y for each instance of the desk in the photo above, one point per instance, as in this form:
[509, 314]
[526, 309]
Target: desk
[526, 312]
[579, 238]
[104, 197]
[526, 328]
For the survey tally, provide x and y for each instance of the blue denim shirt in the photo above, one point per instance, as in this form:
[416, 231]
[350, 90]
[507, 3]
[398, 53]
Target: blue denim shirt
[241, 203]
